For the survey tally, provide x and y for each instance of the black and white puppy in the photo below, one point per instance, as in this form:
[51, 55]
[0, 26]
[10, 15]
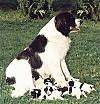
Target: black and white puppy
[49, 91]
[77, 89]
[45, 55]
[45, 90]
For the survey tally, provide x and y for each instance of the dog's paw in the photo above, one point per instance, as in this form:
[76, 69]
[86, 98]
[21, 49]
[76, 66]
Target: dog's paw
[84, 94]
[17, 93]
[14, 94]
[60, 98]
[76, 88]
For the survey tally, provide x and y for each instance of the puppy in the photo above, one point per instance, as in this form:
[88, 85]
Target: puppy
[76, 88]
[51, 90]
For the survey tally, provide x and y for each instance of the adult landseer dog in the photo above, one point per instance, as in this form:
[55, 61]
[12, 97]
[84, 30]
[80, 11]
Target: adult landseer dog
[44, 57]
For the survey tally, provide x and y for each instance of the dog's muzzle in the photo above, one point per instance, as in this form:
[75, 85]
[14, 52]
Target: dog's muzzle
[74, 29]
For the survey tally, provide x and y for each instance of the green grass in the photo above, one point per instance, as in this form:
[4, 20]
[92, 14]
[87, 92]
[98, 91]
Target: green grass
[83, 58]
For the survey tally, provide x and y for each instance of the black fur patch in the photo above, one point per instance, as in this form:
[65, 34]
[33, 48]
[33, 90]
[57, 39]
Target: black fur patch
[70, 90]
[39, 43]
[35, 61]
[63, 89]
[35, 93]
[81, 85]
[31, 53]
[44, 96]
[91, 87]
[48, 88]
[63, 21]
[51, 89]
[35, 75]
[71, 83]
[11, 80]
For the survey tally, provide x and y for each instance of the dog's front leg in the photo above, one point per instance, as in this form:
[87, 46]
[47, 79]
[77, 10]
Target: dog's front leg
[57, 74]
[66, 71]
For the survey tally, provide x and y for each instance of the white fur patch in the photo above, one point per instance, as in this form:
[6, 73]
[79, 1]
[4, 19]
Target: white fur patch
[21, 70]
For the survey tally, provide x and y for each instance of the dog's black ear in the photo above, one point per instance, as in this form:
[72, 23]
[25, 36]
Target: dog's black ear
[39, 43]
[63, 22]
[71, 83]
[35, 61]
[61, 25]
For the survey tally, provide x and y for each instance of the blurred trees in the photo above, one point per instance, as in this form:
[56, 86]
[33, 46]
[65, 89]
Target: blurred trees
[89, 9]
[67, 4]
[36, 9]
[85, 9]
[8, 4]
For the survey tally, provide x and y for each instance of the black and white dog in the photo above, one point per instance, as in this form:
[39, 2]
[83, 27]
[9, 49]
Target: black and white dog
[49, 91]
[44, 57]
[77, 89]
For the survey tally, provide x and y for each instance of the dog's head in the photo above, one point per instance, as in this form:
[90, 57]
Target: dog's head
[87, 88]
[49, 87]
[65, 23]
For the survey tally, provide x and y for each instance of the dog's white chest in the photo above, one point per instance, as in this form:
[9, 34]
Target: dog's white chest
[58, 48]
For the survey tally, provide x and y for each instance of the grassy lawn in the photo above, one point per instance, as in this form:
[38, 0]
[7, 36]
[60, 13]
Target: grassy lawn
[83, 58]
